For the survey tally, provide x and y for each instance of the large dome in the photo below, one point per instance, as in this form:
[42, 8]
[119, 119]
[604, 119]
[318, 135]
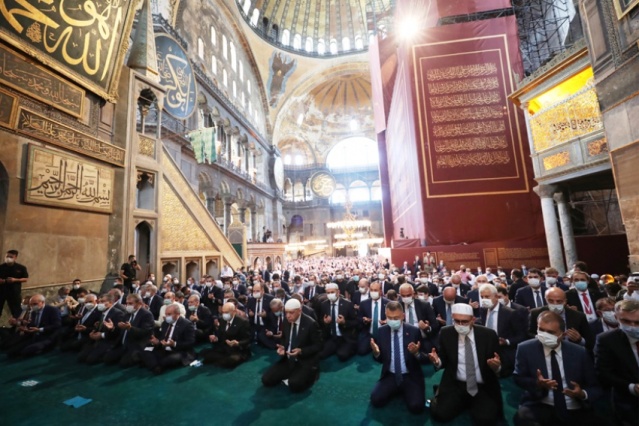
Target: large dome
[319, 28]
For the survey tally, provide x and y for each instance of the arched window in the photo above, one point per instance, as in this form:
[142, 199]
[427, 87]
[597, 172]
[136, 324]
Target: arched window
[333, 46]
[297, 41]
[359, 43]
[346, 44]
[200, 48]
[298, 192]
[308, 46]
[299, 159]
[275, 32]
[213, 64]
[321, 47]
[233, 57]
[243, 100]
[339, 194]
[286, 37]
[358, 191]
[225, 51]
[246, 7]
[225, 78]
[288, 190]
[353, 152]
[234, 89]
[248, 86]
[241, 64]
[288, 160]
[309, 191]
[213, 36]
[376, 191]
[255, 17]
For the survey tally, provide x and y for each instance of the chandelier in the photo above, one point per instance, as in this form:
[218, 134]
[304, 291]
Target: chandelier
[351, 227]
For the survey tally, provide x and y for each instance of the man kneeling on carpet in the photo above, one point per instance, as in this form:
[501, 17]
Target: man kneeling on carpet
[397, 348]
[299, 351]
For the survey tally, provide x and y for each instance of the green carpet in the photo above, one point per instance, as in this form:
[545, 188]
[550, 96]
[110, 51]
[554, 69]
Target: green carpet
[202, 396]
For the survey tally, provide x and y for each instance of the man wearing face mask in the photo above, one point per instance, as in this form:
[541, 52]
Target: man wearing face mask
[337, 316]
[231, 340]
[136, 327]
[312, 290]
[128, 272]
[258, 308]
[271, 335]
[617, 362]
[151, 299]
[12, 276]
[468, 355]
[443, 305]
[532, 296]
[508, 324]
[423, 280]
[419, 314]
[85, 321]
[371, 316]
[460, 288]
[361, 294]
[516, 282]
[607, 321]
[577, 329]
[553, 279]
[104, 332]
[522, 311]
[201, 318]
[39, 334]
[172, 344]
[557, 376]
[76, 285]
[169, 299]
[397, 348]
[582, 297]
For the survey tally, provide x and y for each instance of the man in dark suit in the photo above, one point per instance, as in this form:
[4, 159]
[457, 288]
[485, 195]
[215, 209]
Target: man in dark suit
[577, 329]
[617, 362]
[419, 314]
[361, 293]
[152, 300]
[172, 343]
[508, 324]
[258, 307]
[299, 351]
[201, 318]
[557, 376]
[370, 316]
[387, 285]
[468, 355]
[442, 306]
[517, 282]
[582, 297]
[39, 334]
[397, 349]
[532, 295]
[88, 315]
[104, 333]
[502, 294]
[306, 310]
[231, 340]
[460, 288]
[433, 290]
[339, 325]
[311, 290]
[271, 335]
[136, 327]
[606, 319]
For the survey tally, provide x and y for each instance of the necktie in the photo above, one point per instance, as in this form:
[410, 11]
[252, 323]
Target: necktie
[449, 317]
[557, 394]
[587, 308]
[258, 309]
[411, 316]
[375, 320]
[127, 331]
[228, 324]
[168, 332]
[279, 324]
[538, 301]
[293, 342]
[397, 360]
[311, 293]
[333, 320]
[39, 318]
[491, 320]
[471, 375]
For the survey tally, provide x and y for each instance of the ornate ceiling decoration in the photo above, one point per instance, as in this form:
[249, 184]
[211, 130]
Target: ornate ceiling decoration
[317, 28]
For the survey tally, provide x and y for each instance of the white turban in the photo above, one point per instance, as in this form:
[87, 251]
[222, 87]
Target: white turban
[462, 308]
[292, 304]
[332, 286]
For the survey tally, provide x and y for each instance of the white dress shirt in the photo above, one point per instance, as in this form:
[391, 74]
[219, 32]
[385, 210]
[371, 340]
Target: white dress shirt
[571, 403]
[592, 316]
[461, 357]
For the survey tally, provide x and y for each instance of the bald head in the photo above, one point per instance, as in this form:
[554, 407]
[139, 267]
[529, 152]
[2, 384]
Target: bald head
[449, 293]
[456, 279]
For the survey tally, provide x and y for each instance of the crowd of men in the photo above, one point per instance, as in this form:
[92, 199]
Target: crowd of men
[567, 341]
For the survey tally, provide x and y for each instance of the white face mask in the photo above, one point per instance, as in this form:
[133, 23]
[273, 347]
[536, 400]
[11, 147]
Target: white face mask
[89, 306]
[487, 303]
[421, 297]
[101, 307]
[81, 300]
[609, 317]
[362, 290]
[630, 331]
[130, 309]
[76, 286]
[192, 308]
[332, 296]
[462, 329]
[534, 282]
[147, 294]
[558, 309]
[226, 317]
[547, 339]
[502, 301]
[380, 276]
[257, 294]
[9, 260]
[374, 295]
[551, 280]
[407, 300]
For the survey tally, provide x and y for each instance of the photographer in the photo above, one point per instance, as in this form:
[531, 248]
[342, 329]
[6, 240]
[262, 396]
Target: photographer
[128, 272]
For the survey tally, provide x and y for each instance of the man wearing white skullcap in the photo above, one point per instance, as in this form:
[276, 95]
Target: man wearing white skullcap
[339, 325]
[298, 366]
[468, 355]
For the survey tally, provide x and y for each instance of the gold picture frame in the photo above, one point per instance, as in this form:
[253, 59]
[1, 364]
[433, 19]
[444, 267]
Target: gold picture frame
[8, 109]
[623, 7]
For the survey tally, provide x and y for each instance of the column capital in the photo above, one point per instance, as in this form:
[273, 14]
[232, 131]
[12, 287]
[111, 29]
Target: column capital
[560, 197]
[545, 191]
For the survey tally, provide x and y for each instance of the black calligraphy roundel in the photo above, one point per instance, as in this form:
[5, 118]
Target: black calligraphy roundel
[176, 75]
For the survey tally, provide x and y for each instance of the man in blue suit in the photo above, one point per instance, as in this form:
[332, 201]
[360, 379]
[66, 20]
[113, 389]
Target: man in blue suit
[371, 316]
[397, 349]
[532, 295]
[558, 377]
[39, 334]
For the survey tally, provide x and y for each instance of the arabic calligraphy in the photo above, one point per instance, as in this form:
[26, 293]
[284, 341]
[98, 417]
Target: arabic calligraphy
[471, 144]
[60, 180]
[176, 76]
[36, 81]
[84, 36]
[43, 128]
[466, 99]
[461, 71]
[462, 114]
[457, 86]
[489, 158]
[469, 128]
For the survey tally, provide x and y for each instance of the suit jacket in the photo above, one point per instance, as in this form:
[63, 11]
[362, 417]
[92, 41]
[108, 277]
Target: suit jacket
[205, 318]
[487, 344]
[366, 311]
[356, 298]
[239, 330]
[512, 327]
[425, 313]
[577, 364]
[183, 336]
[439, 305]
[89, 323]
[317, 290]
[309, 340]
[526, 297]
[252, 303]
[463, 288]
[617, 368]
[573, 298]
[273, 323]
[50, 322]
[141, 329]
[345, 308]
[155, 304]
[386, 286]
[574, 319]
[115, 316]
[514, 287]
[410, 334]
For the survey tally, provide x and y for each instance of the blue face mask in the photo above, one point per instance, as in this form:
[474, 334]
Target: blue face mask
[581, 285]
[394, 324]
[630, 331]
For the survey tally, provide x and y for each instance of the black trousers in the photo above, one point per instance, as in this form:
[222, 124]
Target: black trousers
[161, 359]
[412, 388]
[222, 358]
[484, 409]
[344, 348]
[125, 356]
[544, 414]
[29, 345]
[12, 294]
[300, 375]
[267, 342]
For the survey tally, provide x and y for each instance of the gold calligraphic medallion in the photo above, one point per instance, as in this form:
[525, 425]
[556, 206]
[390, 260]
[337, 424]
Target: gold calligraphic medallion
[176, 75]
[323, 184]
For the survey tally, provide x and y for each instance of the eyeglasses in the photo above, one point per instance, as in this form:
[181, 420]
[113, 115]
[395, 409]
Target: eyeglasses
[460, 322]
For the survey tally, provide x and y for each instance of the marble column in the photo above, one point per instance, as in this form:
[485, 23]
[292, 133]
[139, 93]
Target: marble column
[243, 215]
[254, 226]
[567, 233]
[227, 218]
[546, 193]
